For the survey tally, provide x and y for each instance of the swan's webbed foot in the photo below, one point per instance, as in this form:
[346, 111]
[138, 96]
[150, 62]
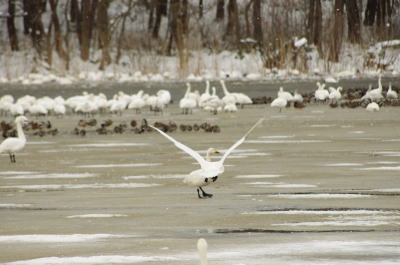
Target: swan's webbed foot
[204, 194]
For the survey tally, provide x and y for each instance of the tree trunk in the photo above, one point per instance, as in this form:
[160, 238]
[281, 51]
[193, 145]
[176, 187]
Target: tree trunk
[370, 12]
[179, 32]
[161, 10]
[201, 7]
[257, 22]
[336, 42]
[220, 10]
[88, 10]
[314, 23]
[57, 29]
[12, 31]
[246, 17]
[104, 35]
[34, 10]
[233, 26]
[353, 21]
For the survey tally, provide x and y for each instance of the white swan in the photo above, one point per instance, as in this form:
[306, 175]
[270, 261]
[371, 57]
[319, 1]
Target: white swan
[240, 98]
[321, 94]
[372, 107]
[202, 248]
[206, 95]
[228, 98]
[188, 102]
[374, 94]
[335, 93]
[297, 97]
[14, 144]
[279, 102]
[214, 104]
[209, 171]
[391, 94]
[284, 94]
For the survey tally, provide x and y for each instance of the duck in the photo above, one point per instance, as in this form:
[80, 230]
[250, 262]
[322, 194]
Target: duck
[12, 145]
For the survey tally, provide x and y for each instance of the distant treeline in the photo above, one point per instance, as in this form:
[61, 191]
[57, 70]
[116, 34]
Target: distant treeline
[177, 27]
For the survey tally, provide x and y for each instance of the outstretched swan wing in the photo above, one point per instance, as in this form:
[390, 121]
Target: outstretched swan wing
[183, 147]
[241, 140]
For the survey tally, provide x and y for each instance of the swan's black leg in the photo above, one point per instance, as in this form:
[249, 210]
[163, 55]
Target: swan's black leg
[208, 195]
[198, 193]
[11, 158]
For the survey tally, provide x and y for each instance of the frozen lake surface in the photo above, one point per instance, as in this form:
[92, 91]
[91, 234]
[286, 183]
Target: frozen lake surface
[311, 186]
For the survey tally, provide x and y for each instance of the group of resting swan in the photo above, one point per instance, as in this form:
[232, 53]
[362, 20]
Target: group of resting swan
[211, 102]
[333, 95]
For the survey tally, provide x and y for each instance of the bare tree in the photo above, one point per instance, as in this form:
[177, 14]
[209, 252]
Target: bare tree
[233, 26]
[179, 32]
[104, 35]
[86, 25]
[220, 10]
[161, 10]
[314, 27]
[353, 21]
[12, 30]
[58, 37]
[257, 22]
[337, 38]
[33, 24]
[379, 13]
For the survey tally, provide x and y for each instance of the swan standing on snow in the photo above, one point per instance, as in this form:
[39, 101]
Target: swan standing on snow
[202, 248]
[209, 170]
[14, 144]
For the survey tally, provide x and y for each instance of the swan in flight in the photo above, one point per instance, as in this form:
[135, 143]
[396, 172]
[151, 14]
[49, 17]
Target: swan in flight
[14, 144]
[209, 170]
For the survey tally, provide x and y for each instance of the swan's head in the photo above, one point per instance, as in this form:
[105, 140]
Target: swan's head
[340, 89]
[21, 120]
[211, 151]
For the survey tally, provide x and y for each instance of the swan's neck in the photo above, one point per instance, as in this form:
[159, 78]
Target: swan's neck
[226, 92]
[20, 132]
[208, 158]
